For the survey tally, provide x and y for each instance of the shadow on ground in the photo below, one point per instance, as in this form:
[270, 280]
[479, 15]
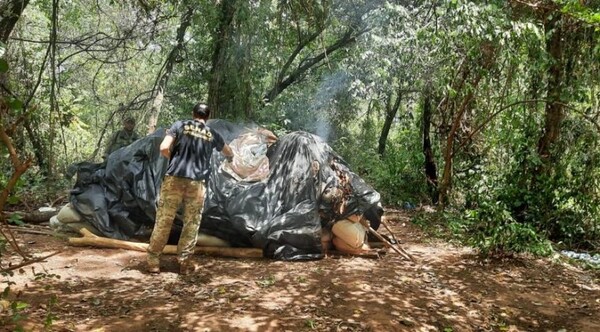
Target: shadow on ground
[450, 289]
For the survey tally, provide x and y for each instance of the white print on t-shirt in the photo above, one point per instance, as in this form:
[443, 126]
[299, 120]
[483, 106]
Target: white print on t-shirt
[202, 133]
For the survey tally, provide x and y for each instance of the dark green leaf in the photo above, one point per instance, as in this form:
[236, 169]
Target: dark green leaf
[15, 104]
[13, 200]
[16, 219]
[20, 305]
[3, 66]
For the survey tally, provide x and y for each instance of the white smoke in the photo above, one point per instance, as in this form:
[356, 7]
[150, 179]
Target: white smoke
[324, 102]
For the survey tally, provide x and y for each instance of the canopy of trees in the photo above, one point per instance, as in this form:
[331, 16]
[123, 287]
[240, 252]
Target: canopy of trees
[488, 109]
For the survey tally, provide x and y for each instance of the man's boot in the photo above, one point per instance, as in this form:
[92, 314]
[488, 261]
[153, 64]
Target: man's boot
[153, 263]
[187, 266]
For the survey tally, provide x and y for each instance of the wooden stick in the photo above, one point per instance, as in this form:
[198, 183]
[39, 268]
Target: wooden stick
[90, 239]
[389, 229]
[369, 254]
[33, 231]
[58, 199]
[376, 245]
[398, 249]
[29, 261]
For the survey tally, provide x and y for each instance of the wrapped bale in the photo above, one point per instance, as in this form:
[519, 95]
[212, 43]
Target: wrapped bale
[72, 227]
[349, 237]
[68, 215]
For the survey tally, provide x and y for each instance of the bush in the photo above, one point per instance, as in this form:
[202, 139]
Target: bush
[494, 231]
[397, 176]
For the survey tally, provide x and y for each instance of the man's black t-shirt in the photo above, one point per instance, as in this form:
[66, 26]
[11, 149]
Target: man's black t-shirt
[192, 149]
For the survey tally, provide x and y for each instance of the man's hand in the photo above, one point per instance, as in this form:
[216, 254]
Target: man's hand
[166, 153]
[165, 146]
[228, 153]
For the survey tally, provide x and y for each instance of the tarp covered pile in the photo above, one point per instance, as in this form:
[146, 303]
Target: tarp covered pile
[281, 209]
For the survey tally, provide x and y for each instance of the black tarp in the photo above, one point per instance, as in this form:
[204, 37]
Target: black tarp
[283, 214]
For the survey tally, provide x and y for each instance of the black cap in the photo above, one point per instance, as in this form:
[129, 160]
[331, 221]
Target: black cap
[201, 110]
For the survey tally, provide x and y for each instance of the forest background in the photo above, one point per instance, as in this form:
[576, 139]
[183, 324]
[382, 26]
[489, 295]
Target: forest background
[488, 110]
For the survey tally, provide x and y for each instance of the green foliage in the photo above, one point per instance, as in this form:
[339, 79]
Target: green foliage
[3, 66]
[566, 214]
[508, 207]
[397, 174]
[3, 243]
[12, 309]
[490, 228]
[266, 281]
[493, 230]
[587, 13]
[15, 219]
[564, 203]
[36, 190]
[50, 315]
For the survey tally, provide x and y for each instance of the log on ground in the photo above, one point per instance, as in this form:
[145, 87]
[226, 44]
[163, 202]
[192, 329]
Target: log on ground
[34, 217]
[90, 239]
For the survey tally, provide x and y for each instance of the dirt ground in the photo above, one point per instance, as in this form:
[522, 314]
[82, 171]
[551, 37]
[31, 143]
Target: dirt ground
[449, 289]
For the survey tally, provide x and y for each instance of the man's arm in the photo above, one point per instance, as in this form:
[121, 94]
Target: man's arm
[165, 146]
[227, 151]
[109, 147]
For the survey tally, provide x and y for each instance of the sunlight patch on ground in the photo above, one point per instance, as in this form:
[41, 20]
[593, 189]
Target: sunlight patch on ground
[224, 281]
[276, 300]
[204, 323]
[357, 264]
[249, 323]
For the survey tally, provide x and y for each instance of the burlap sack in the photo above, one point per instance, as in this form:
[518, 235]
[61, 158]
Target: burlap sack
[349, 237]
[68, 215]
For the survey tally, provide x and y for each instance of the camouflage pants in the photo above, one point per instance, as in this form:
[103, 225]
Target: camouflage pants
[173, 192]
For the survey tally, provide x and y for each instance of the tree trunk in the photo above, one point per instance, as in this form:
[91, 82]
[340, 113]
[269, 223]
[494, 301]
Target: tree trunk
[277, 87]
[36, 143]
[163, 78]
[20, 167]
[390, 115]
[11, 12]
[54, 108]
[222, 39]
[482, 63]
[33, 217]
[446, 182]
[554, 110]
[348, 38]
[155, 111]
[430, 166]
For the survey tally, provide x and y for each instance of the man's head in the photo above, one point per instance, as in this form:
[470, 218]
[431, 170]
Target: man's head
[129, 123]
[201, 111]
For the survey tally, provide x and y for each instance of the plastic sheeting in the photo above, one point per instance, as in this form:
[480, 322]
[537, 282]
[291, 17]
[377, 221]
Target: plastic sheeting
[308, 187]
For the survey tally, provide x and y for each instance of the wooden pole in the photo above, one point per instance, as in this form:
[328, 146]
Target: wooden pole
[29, 261]
[384, 222]
[399, 250]
[90, 239]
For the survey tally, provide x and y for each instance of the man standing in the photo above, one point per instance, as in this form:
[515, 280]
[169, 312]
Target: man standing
[123, 137]
[189, 145]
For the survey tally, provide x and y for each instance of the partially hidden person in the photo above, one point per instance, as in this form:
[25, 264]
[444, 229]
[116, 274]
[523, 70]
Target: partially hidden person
[189, 146]
[122, 137]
